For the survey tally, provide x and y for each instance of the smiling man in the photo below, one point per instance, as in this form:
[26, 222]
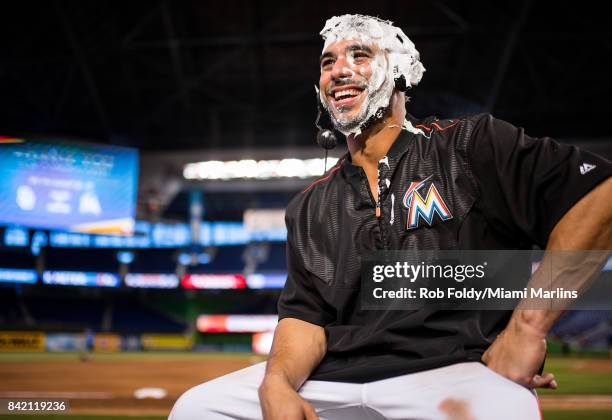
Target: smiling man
[470, 183]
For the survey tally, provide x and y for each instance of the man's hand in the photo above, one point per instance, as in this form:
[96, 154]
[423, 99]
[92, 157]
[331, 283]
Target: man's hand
[517, 353]
[280, 402]
[297, 349]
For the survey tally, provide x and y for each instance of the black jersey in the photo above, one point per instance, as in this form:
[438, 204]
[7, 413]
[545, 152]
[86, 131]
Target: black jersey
[496, 188]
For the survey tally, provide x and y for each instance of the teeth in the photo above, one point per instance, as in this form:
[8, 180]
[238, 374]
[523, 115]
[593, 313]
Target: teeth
[346, 92]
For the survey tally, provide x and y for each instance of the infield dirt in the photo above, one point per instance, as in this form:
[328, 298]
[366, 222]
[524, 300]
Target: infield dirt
[107, 386]
[106, 383]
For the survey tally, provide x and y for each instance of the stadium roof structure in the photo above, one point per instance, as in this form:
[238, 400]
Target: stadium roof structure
[239, 74]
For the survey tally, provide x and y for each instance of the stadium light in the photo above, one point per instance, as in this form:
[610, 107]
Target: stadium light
[251, 169]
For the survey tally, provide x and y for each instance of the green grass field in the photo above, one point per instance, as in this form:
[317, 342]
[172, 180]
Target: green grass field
[573, 380]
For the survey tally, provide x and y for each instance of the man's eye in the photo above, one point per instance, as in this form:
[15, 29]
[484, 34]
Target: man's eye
[326, 63]
[361, 55]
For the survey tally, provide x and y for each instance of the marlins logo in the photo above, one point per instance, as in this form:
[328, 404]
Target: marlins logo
[425, 208]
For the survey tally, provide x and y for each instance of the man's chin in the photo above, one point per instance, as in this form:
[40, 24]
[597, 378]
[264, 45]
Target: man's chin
[348, 118]
[347, 126]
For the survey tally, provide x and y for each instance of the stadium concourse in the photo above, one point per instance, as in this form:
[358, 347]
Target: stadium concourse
[193, 258]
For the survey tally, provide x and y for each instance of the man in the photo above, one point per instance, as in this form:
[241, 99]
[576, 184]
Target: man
[487, 186]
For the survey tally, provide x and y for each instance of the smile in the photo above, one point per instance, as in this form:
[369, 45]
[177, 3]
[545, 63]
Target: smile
[345, 97]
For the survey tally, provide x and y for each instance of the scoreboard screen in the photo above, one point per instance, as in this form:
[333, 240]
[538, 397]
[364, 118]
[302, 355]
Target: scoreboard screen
[68, 186]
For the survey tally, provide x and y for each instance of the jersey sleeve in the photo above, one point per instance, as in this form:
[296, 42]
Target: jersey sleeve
[527, 184]
[300, 298]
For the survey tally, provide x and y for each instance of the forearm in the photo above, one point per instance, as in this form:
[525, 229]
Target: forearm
[519, 351]
[297, 350]
[573, 271]
[576, 252]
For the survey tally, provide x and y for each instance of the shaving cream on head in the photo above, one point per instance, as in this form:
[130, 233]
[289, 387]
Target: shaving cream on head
[400, 61]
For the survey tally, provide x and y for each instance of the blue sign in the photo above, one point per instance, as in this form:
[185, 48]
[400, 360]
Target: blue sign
[69, 186]
[157, 235]
[80, 278]
[152, 281]
[16, 236]
[266, 281]
[18, 275]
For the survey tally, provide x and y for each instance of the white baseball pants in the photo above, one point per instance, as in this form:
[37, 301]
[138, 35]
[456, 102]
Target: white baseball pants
[457, 392]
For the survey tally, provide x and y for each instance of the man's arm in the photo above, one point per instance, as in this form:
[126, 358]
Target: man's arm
[519, 350]
[299, 340]
[297, 350]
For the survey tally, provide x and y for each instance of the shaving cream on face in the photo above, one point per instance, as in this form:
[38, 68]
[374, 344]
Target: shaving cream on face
[397, 58]
[378, 90]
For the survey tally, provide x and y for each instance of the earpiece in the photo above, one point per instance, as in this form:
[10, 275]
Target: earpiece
[326, 139]
[400, 83]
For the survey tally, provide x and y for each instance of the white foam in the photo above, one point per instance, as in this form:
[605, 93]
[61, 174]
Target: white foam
[398, 57]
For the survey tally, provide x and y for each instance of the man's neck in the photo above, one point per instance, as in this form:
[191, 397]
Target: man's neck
[373, 144]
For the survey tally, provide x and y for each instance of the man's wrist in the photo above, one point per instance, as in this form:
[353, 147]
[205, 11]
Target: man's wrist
[535, 322]
[275, 379]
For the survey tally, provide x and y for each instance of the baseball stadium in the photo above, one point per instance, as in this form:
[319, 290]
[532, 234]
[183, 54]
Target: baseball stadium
[149, 152]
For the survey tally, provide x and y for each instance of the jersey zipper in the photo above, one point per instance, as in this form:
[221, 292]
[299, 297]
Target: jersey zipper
[380, 225]
[379, 210]
[378, 205]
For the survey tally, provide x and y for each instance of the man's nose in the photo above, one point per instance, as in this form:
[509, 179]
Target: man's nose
[341, 68]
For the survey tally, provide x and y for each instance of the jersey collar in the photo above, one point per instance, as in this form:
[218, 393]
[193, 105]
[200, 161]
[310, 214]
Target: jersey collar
[397, 150]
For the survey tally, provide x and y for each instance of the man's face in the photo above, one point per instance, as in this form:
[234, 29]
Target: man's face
[351, 72]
